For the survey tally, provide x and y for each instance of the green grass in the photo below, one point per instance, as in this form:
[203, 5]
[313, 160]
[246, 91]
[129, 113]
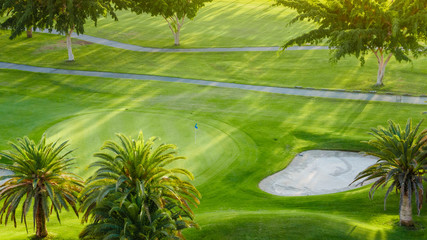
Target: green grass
[230, 23]
[287, 224]
[269, 130]
[243, 136]
[212, 152]
[293, 68]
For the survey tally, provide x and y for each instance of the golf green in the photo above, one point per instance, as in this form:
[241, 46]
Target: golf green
[209, 149]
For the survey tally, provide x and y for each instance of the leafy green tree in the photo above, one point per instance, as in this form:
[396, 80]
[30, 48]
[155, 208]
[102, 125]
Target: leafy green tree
[138, 171]
[40, 177]
[176, 13]
[173, 11]
[64, 17]
[357, 27]
[402, 162]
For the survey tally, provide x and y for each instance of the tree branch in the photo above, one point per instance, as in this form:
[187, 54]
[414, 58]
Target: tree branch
[169, 24]
[388, 58]
[376, 54]
[182, 20]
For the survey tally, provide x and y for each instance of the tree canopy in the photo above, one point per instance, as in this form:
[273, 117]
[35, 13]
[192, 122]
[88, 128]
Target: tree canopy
[173, 11]
[56, 15]
[356, 27]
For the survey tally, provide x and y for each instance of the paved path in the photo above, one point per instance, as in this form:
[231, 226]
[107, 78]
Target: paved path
[137, 48]
[280, 90]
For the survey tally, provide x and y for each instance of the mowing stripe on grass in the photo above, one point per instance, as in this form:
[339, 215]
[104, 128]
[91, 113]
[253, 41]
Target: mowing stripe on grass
[218, 146]
[280, 90]
[136, 48]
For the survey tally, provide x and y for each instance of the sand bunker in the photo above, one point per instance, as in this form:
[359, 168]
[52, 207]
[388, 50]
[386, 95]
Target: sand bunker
[4, 172]
[317, 172]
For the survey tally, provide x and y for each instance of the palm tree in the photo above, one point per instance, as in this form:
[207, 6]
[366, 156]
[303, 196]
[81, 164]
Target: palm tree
[130, 220]
[39, 173]
[402, 162]
[135, 168]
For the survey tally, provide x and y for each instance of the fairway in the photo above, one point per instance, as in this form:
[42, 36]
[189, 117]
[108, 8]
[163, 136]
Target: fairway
[209, 150]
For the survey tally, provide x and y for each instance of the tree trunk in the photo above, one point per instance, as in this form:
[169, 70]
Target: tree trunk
[176, 37]
[29, 33]
[175, 25]
[382, 63]
[380, 75]
[406, 211]
[178, 29]
[70, 50]
[41, 230]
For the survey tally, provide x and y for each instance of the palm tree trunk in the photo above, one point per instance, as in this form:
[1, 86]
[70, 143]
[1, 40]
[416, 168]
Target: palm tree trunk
[41, 230]
[406, 211]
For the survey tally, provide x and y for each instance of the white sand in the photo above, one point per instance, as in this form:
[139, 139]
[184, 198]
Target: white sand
[317, 172]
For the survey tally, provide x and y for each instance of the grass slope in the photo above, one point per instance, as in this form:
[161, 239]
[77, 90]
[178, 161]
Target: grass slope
[293, 68]
[233, 207]
[235, 23]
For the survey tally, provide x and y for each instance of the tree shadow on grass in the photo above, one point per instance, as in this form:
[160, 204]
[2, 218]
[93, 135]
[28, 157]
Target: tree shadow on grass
[49, 237]
[401, 232]
[329, 141]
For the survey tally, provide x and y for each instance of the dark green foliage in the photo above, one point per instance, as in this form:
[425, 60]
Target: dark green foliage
[133, 182]
[20, 15]
[357, 27]
[402, 161]
[58, 15]
[39, 174]
[131, 218]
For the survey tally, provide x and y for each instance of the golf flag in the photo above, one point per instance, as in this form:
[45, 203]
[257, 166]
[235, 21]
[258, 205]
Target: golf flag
[195, 126]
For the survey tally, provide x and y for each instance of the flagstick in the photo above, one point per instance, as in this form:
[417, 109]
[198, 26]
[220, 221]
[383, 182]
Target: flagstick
[195, 134]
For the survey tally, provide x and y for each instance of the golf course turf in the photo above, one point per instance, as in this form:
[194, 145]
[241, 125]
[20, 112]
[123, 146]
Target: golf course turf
[221, 23]
[267, 131]
[210, 150]
[242, 137]
[290, 69]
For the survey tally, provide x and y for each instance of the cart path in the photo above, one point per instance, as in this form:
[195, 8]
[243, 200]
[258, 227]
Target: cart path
[137, 48]
[325, 93]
